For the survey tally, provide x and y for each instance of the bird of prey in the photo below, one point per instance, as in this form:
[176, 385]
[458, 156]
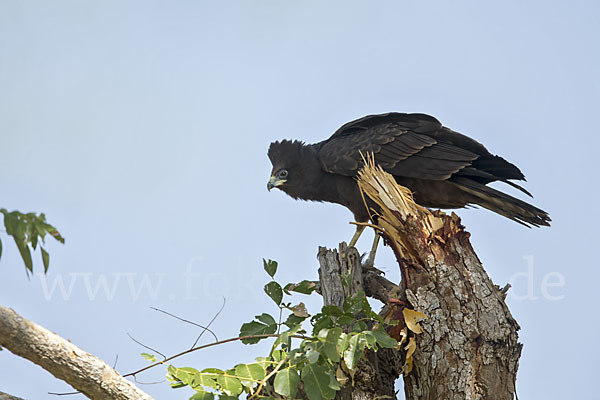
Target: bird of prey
[443, 168]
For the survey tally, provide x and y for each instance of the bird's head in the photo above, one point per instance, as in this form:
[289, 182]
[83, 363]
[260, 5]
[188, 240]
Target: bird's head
[286, 158]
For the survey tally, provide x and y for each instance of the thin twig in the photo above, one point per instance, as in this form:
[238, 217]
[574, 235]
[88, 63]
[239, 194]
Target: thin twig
[64, 394]
[185, 320]
[210, 323]
[146, 383]
[147, 347]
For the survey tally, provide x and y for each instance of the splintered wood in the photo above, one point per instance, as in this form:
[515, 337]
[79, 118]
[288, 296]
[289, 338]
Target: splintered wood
[398, 215]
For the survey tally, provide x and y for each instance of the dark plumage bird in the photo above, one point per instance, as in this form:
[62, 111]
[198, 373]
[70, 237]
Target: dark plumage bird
[443, 168]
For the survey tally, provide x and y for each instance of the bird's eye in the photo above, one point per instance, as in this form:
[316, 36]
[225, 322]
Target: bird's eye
[283, 173]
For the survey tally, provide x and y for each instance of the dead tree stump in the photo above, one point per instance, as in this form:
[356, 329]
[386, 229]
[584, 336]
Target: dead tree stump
[469, 348]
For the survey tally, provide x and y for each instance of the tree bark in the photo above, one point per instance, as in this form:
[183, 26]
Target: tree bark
[86, 373]
[469, 348]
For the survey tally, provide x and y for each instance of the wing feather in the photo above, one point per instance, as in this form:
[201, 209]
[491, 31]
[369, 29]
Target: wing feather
[417, 140]
[440, 151]
[413, 146]
[427, 168]
[398, 154]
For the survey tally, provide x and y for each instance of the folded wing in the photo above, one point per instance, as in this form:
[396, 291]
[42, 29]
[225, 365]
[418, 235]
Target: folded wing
[413, 146]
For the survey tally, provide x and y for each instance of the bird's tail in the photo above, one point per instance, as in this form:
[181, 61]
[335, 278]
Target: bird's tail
[504, 204]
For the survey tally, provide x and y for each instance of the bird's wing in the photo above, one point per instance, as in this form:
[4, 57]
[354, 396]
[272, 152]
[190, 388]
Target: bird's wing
[412, 146]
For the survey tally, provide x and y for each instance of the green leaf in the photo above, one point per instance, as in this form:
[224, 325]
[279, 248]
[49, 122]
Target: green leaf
[330, 346]
[149, 357]
[356, 303]
[296, 356]
[304, 287]
[359, 326]
[273, 290]
[312, 354]
[45, 259]
[256, 328]
[347, 279]
[321, 323]
[353, 352]
[0, 248]
[333, 382]
[172, 377]
[56, 235]
[286, 382]
[278, 355]
[331, 310]
[293, 320]
[343, 342]
[185, 375]
[230, 385]
[316, 382]
[11, 222]
[202, 395]
[384, 340]
[270, 266]
[366, 307]
[216, 371]
[206, 379]
[25, 253]
[266, 318]
[346, 319]
[376, 317]
[226, 397]
[251, 372]
[369, 339]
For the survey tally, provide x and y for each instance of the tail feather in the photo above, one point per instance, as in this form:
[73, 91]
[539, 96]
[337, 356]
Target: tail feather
[504, 204]
[485, 177]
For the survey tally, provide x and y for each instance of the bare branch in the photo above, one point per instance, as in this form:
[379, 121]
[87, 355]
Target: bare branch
[205, 328]
[86, 373]
[4, 396]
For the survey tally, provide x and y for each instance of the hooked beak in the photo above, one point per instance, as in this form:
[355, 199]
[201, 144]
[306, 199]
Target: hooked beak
[274, 182]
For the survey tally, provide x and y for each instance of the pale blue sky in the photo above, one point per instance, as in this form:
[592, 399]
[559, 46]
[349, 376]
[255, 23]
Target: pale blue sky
[141, 129]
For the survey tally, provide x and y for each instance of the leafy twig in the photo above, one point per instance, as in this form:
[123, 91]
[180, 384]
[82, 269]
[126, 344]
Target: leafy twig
[210, 345]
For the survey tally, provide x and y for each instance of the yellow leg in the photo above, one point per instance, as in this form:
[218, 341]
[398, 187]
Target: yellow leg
[371, 259]
[359, 230]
